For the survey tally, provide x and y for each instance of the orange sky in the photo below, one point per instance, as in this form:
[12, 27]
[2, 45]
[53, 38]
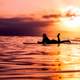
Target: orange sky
[39, 10]
[23, 7]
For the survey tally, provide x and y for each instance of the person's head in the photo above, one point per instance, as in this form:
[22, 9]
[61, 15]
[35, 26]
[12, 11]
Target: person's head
[44, 35]
[58, 33]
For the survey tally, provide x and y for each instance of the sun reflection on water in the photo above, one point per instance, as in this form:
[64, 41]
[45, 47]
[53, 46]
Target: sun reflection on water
[69, 59]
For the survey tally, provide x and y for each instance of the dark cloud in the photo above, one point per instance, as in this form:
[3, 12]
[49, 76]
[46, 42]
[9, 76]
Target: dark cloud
[51, 16]
[21, 26]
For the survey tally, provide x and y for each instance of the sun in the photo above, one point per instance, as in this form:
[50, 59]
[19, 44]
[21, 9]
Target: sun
[71, 18]
[73, 22]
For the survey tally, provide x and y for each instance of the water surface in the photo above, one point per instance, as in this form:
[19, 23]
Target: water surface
[20, 61]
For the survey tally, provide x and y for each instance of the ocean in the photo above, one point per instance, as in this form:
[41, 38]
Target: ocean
[34, 61]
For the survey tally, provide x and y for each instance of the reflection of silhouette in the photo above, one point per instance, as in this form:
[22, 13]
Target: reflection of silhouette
[46, 40]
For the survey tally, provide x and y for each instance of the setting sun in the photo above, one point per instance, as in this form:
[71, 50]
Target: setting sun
[71, 18]
[72, 22]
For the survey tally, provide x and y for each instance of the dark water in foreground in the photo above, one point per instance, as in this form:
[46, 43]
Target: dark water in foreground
[20, 61]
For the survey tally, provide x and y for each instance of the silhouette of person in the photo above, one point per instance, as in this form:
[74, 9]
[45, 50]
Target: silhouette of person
[58, 36]
[45, 39]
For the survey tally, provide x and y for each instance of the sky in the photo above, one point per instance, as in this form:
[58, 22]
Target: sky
[32, 16]
[23, 7]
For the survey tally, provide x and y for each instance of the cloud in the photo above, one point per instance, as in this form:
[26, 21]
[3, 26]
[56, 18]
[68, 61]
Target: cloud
[21, 26]
[51, 16]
